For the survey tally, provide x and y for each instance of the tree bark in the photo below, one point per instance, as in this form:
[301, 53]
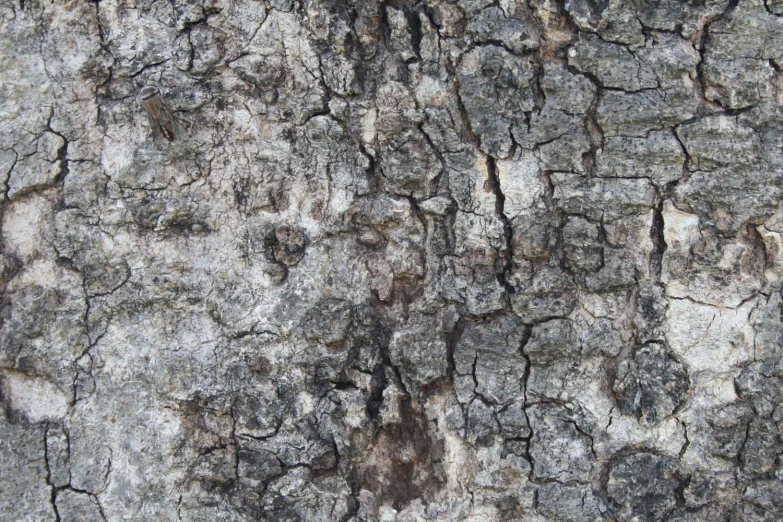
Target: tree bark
[375, 261]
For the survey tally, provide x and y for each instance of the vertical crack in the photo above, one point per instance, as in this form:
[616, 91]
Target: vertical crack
[62, 157]
[687, 440]
[62, 152]
[594, 131]
[740, 458]
[414, 27]
[7, 181]
[506, 256]
[52, 487]
[702, 49]
[659, 245]
[525, 379]
[688, 164]
[355, 484]
[451, 343]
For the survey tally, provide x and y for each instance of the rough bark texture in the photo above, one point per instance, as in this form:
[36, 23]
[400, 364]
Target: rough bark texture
[450, 260]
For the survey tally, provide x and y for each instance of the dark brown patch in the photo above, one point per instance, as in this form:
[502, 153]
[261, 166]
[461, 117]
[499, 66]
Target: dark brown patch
[754, 259]
[290, 244]
[260, 365]
[404, 461]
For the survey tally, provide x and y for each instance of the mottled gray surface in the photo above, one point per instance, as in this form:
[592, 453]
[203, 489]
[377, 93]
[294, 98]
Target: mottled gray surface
[455, 260]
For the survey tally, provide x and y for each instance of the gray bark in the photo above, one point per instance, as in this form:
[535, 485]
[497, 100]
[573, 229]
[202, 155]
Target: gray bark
[449, 260]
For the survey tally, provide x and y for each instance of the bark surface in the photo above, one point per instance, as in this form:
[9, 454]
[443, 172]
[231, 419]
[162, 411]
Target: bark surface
[462, 260]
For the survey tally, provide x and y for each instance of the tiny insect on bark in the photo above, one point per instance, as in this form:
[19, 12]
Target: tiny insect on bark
[162, 120]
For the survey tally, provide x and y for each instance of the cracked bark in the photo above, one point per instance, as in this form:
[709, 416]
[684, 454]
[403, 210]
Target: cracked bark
[412, 261]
